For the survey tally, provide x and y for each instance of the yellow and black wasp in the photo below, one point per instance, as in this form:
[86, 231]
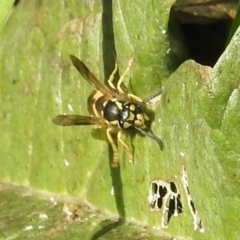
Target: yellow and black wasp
[112, 108]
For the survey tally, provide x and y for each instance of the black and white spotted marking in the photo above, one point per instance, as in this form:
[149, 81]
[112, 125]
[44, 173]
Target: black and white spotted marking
[166, 196]
[197, 222]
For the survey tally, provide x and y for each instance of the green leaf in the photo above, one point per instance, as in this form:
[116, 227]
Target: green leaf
[5, 10]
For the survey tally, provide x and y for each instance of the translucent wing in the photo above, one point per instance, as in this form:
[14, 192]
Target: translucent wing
[71, 120]
[86, 73]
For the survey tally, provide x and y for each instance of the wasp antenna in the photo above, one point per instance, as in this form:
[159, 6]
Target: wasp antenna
[152, 96]
[150, 135]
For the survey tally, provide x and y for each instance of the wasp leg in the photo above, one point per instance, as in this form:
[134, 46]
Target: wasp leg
[125, 145]
[115, 161]
[111, 78]
[119, 88]
[134, 98]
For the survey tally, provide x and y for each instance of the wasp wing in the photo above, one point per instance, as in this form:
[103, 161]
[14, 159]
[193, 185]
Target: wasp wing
[89, 76]
[71, 120]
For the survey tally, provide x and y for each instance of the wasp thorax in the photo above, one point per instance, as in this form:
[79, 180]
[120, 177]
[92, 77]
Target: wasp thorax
[112, 111]
[132, 115]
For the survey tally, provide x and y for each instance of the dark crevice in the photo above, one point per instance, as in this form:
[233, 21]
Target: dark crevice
[107, 228]
[108, 43]
[16, 2]
[109, 55]
[199, 31]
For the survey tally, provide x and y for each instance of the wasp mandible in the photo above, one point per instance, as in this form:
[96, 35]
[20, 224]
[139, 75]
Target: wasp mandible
[112, 108]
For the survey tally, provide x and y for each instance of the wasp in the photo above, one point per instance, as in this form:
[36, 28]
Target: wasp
[112, 108]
